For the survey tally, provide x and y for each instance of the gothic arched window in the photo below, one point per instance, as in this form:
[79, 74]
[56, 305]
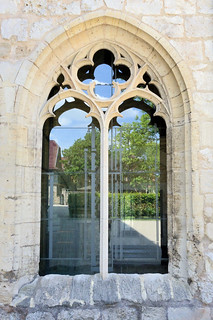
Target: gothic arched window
[104, 178]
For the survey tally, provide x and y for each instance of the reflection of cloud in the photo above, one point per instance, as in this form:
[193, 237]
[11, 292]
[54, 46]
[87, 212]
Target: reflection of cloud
[130, 115]
[74, 118]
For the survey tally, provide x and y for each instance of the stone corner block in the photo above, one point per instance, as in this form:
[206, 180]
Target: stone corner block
[157, 287]
[105, 291]
[130, 287]
[25, 294]
[181, 290]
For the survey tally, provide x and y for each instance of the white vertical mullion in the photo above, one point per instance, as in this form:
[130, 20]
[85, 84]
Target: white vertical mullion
[104, 202]
[50, 216]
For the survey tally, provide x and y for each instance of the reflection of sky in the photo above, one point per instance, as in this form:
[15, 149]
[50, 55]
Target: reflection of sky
[74, 125]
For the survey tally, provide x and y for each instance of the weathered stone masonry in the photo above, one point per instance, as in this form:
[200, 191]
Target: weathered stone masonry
[175, 39]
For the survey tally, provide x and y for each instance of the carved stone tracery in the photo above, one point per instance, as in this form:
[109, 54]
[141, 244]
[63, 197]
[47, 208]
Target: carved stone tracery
[139, 80]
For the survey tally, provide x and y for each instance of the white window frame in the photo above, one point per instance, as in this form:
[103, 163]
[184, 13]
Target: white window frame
[122, 92]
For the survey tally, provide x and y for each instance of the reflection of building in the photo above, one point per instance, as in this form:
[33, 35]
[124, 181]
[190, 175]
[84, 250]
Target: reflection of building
[60, 188]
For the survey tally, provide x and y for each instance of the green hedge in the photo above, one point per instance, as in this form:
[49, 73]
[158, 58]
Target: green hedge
[135, 205]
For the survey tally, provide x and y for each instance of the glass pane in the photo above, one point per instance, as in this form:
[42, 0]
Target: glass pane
[70, 202]
[134, 196]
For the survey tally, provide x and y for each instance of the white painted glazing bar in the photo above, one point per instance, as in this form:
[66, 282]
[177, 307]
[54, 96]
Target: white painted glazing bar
[50, 217]
[93, 214]
[85, 203]
[104, 204]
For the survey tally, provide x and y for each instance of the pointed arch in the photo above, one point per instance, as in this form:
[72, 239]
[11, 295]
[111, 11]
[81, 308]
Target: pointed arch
[39, 73]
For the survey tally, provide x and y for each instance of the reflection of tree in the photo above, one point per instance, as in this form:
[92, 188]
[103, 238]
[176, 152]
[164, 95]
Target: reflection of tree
[74, 157]
[140, 157]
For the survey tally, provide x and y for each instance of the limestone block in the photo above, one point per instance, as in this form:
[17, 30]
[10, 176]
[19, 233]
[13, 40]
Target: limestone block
[198, 26]
[169, 26]
[85, 314]
[209, 230]
[9, 70]
[206, 182]
[105, 290]
[208, 202]
[205, 6]
[5, 49]
[26, 258]
[7, 96]
[188, 313]
[157, 287]
[22, 51]
[28, 233]
[117, 5]
[144, 7]
[129, 287]
[40, 316]
[39, 28]
[158, 62]
[206, 158]
[208, 211]
[203, 103]
[38, 7]
[206, 289]
[14, 27]
[189, 50]
[90, 5]
[206, 134]
[181, 290]
[204, 80]
[73, 8]
[81, 289]
[123, 313]
[53, 290]
[209, 265]
[153, 313]
[9, 6]
[25, 294]
[209, 49]
[180, 7]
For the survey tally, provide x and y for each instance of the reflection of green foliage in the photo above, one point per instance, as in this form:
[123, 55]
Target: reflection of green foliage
[129, 205]
[139, 153]
[140, 157]
[74, 158]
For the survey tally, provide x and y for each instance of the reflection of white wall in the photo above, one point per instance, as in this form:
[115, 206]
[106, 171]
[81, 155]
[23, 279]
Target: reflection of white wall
[146, 228]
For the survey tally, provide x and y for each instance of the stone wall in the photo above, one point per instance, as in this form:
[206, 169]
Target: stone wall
[36, 37]
[119, 297]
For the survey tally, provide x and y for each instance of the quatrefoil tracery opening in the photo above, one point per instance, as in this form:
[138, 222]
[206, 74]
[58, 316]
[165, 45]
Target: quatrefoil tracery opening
[104, 72]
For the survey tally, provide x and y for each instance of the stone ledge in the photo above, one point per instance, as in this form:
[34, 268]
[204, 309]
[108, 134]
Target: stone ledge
[87, 290]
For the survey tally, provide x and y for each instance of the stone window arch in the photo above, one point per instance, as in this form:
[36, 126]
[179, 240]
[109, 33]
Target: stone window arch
[38, 75]
[133, 83]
